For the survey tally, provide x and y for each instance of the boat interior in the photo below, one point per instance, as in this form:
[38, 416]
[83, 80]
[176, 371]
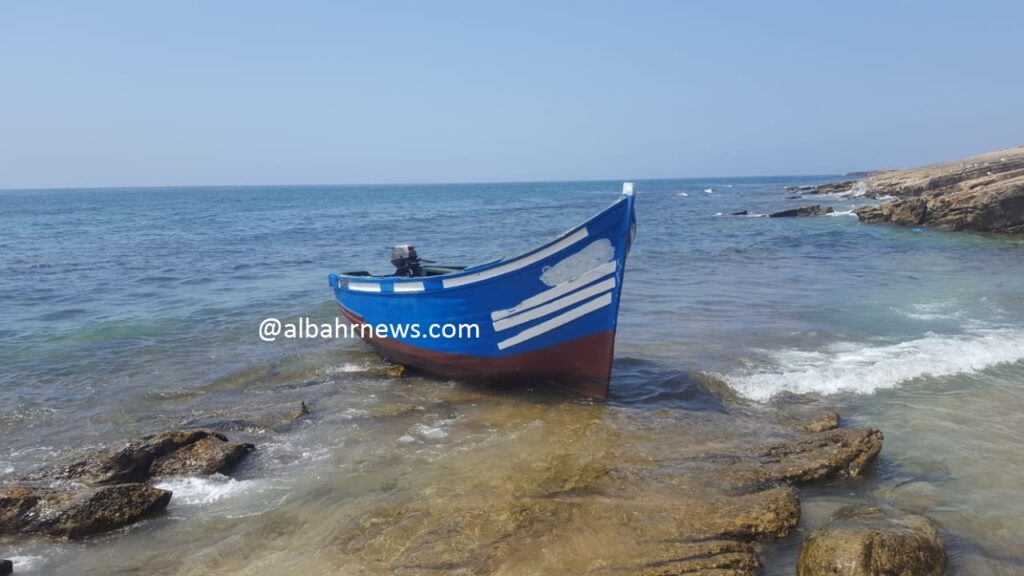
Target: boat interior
[425, 271]
[408, 264]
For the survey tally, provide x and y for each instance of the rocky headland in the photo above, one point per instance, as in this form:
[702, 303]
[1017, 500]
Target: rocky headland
[983, 193]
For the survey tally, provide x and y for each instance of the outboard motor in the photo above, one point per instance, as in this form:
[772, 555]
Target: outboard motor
[406, 261]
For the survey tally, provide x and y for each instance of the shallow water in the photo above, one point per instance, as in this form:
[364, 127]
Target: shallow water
[128, 311]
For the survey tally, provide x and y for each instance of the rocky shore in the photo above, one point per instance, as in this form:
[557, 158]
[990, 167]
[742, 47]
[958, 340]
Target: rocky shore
[983, 193]
[110, 489]
[574, 479]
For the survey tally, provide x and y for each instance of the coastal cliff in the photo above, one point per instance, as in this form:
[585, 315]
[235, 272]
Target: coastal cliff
[983, 193]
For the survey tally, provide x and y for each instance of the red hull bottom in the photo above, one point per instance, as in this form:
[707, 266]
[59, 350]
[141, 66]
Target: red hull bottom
[582, 366]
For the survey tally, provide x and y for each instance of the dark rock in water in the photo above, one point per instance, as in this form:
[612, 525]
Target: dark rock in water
[794, 197]
[740, 213]
[815, 210]
[26, 509]
[206, 456]
[198, 451]
[829, 188]
[260, 424]
[6, 567]
[867, 541]
[984, 193]
[907, 212]
[844, 452]
[827, 421]
[839, 453]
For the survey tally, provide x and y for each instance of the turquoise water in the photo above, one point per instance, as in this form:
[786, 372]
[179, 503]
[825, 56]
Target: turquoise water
[129, 310]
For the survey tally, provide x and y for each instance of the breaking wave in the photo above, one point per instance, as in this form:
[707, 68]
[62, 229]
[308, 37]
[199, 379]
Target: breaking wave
[199, 491]
[863, 369]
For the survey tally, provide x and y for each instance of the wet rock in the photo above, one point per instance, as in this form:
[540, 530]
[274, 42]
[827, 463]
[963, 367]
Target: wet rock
[827, 421]
[907, 212]
[843, 452]
[815, 210]
[678, 535]
[829, 188]
[740, 213]
[722, 558]
[281, 423]
[26, 509]
[566, 488]
[983, 193]
[206, 456]
[868, 541]
[192, 452]
[839, 453]
[395, 371]
[6, 567]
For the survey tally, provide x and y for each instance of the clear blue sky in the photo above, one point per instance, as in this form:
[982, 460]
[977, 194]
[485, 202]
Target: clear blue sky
[196, 92]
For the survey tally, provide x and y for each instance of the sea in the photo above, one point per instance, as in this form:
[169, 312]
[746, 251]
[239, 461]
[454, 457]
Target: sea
[129, 311]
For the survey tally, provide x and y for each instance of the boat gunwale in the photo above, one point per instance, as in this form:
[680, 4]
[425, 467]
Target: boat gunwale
[380, 281]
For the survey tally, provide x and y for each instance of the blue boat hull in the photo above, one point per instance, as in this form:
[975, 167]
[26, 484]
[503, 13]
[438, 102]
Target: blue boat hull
[547, 316]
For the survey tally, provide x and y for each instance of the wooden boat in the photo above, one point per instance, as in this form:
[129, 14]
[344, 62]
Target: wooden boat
[544, 317]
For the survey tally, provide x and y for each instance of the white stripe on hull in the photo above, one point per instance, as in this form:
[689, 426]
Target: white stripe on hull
[555, 306]
[363, 287]
[560, 320]
[408, 286]
[517, 264]
[560, 290]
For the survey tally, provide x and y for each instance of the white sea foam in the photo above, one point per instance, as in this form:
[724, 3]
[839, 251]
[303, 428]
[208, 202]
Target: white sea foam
[352, 413]
[199, 491]
[682, 194]
[708, 190]
[865, 368]
[859, 189]
[944, 310]
[842, 213]
[431, 432]
[25, 563]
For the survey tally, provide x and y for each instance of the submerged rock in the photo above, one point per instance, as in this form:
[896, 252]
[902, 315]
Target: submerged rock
[191, 452]
[827, 421]
[74, 513]
[815, 210]
[675, 536]
[984, 193]
[395, 370]
[595, 506]
[839, 453]
[868, 541]
[843, 452]
[281, 423]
